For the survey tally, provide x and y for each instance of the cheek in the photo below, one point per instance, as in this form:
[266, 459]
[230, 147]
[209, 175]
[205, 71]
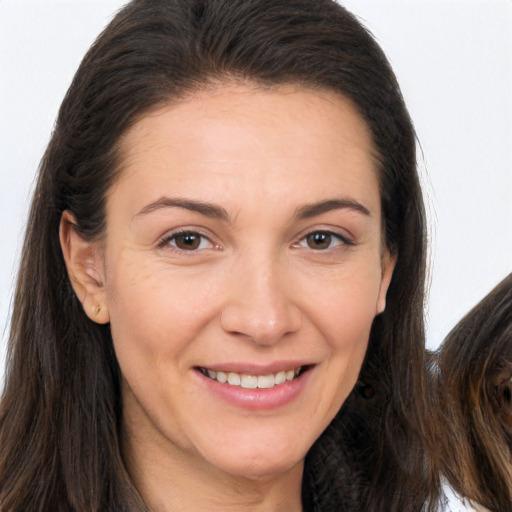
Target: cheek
[346, 304]
[153, 325]
[344, 314]
[143, 314]
[156, 312]
[145, 296]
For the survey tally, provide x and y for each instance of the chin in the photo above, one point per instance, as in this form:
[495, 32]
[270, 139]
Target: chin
[257, 464]
[262, 470]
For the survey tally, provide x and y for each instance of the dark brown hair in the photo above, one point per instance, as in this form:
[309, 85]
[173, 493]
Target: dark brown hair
[59, 417]
[475, 386]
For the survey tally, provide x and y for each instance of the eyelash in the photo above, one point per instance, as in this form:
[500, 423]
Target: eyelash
[170, 240]
[332, 237]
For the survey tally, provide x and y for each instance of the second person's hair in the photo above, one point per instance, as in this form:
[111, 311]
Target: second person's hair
[475, 387]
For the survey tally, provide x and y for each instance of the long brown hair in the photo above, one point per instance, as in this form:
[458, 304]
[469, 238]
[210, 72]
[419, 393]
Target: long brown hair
[475, 385]
[59, 417]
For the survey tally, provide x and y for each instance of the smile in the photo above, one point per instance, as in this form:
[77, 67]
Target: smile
[248, 381]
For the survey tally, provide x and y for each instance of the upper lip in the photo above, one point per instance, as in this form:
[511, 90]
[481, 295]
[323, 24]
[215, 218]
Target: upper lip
[254, 368]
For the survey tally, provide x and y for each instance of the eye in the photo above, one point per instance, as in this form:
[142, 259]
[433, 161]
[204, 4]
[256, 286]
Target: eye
[323, 240]
[187, 241]
[319, 240]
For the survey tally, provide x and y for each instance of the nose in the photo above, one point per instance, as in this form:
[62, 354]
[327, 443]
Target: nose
[260, 304]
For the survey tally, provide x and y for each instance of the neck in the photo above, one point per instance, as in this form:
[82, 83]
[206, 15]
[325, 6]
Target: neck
[171, 479]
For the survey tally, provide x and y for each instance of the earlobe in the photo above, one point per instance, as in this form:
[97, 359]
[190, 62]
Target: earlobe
[85, 269]
[388, 266]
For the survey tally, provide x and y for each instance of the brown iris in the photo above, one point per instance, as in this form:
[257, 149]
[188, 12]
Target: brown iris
[187, 241]
[319, 240]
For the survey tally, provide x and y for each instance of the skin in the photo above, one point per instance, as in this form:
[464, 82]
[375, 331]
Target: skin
[255, 290]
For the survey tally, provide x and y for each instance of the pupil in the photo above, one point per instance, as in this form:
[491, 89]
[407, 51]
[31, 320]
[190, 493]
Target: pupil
[188, 241]
[319, 240]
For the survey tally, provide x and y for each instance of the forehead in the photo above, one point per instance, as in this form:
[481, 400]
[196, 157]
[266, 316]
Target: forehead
[272, 144]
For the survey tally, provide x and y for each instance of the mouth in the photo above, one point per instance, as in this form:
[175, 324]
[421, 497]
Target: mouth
[252, 381]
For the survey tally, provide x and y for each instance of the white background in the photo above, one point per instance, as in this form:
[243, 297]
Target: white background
[453, 59]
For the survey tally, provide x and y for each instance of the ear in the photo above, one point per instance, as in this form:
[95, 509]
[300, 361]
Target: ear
[84, 263]
[388, 266]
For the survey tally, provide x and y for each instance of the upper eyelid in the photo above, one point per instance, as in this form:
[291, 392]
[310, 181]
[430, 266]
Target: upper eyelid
[346, 236]
[338, 241]
[186, 230]
[343, 234]
[170, 235]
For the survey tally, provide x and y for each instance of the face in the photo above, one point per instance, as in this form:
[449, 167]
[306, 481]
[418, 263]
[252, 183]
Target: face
[241, 270]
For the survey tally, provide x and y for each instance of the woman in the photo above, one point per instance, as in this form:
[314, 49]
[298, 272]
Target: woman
[220, 302]
[475, 384]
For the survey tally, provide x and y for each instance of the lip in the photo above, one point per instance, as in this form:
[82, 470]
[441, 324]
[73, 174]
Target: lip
[256, 399]
[255, 368]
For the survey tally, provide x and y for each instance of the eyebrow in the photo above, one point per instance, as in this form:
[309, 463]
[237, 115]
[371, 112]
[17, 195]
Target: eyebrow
[204, 208]
[312, 210]
[217, 212]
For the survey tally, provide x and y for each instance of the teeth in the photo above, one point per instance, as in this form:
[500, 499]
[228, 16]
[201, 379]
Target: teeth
[266, 381]
[249, 381]
[234, 379]
[253, 381]
[280, 378]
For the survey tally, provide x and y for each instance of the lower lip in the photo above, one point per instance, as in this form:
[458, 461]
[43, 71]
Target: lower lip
[257, 399]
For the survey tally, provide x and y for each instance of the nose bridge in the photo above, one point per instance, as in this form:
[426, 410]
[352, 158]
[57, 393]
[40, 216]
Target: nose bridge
[259, 302]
